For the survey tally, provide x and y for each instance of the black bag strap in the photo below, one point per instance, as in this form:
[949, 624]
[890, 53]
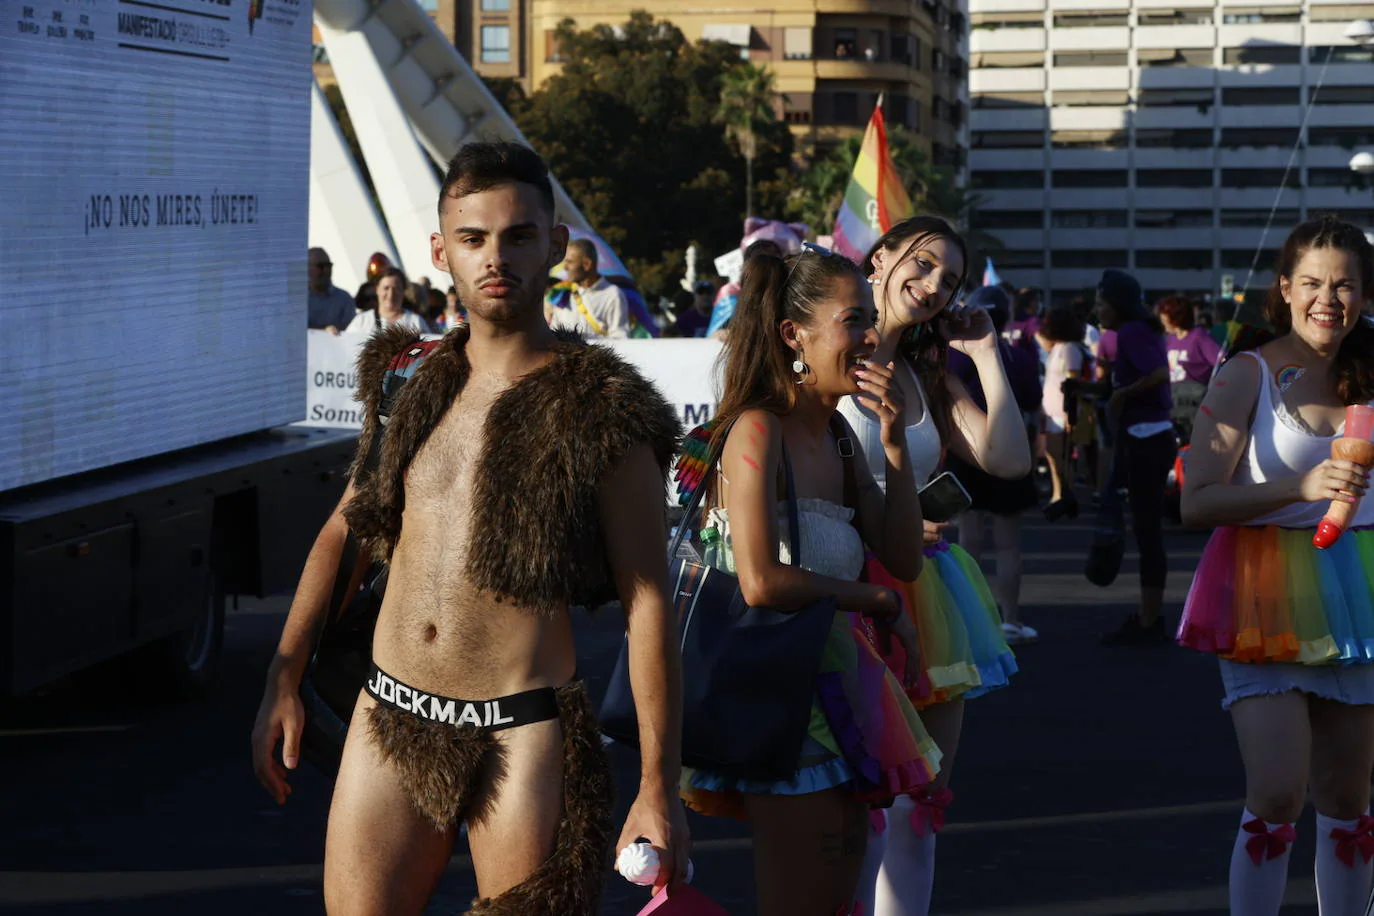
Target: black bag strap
[691, 513]
[844, 442]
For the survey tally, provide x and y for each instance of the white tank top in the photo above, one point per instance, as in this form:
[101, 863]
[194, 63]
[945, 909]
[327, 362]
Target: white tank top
[1280, 447]
[922, 437]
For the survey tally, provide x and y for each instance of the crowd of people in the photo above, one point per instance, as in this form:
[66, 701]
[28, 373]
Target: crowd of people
[846, 388]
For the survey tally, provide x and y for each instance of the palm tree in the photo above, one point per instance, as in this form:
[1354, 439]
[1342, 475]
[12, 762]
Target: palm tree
[748, 95]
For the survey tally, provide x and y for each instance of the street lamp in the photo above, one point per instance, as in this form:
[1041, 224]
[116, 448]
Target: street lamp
[1361, 31]
[1362, 162]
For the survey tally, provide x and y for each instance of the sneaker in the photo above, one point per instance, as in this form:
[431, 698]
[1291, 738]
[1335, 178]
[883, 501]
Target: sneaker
[1017, 634]
[1131, 633]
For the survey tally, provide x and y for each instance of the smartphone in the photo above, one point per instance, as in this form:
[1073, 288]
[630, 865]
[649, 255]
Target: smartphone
[943, 498]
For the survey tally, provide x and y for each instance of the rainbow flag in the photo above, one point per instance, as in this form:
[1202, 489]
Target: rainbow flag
[875, 198]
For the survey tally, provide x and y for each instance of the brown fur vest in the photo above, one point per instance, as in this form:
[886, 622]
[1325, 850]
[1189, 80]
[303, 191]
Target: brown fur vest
[551, 440]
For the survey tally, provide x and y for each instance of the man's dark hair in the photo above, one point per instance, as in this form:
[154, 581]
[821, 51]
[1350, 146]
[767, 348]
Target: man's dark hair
[478, 167]
[587, 248]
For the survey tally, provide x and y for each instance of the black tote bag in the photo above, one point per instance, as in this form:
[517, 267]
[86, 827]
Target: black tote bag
[748, 673]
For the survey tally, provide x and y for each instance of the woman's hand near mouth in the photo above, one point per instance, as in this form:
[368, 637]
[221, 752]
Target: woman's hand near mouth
[884, 397]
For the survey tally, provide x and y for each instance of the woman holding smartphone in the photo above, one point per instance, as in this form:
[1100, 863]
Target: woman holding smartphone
[917, 269]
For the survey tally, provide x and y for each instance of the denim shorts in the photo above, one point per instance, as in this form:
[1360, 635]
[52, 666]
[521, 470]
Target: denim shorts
[1353, 684]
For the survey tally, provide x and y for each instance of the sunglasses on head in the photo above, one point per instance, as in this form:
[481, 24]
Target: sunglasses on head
[806, 248]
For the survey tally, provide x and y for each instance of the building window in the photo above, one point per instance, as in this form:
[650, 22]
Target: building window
[898, 109]
[1009, 219]
[1173, 219]
[1257, 178]
[901, 48]
[845, 107]
[1343, 95]
[1088, 257]
[1257, 16]
[1090, 98]
[996, 60]
[1021, 260]
[1164, 138]
[1363, 218]
[1173, 259]
[1090, 58]
[1262, 54]
[1013, 179]
[1270, 95]
[1088, 178]
[495, 44]
[1242, 258]
[1173, 178]
[937, 60]
[1348, 137]
[1241, 219]
[1008, 139]
[1175, 57]
[1201, 99]
[1336, 178]
[1088, 139]
[1236, 137]
[1008, 99]
[1341, 54]
[1175, 17]
[1090, 20]
[1026, 20]
[553, 52]
[495, 6]
[796, 44]
[846, 44]
[1088, 219]
[939, 109]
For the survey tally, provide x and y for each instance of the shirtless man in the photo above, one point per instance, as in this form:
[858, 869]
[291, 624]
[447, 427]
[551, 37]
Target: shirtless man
[518, 470]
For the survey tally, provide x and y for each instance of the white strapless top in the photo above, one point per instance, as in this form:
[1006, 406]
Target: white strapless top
[922, 437]
[1280, 446]
[830, 544]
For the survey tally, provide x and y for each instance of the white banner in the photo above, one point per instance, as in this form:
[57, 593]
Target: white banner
[154, 165]
[683, 370]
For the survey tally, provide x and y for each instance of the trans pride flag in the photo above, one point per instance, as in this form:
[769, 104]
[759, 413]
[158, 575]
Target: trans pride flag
[875, 198]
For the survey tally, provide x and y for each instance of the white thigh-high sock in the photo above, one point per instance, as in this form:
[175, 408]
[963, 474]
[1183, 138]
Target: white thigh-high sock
[1345, 863]
[908, 874]
[1259, 866]
[873, 861]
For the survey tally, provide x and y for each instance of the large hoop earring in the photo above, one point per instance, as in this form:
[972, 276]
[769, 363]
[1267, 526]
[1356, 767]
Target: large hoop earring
[800, 369]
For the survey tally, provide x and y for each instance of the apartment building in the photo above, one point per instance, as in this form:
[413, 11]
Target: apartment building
[832, 58]
[1158, 135]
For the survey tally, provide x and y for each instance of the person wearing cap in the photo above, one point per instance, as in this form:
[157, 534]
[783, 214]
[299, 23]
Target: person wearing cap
[1139, 409]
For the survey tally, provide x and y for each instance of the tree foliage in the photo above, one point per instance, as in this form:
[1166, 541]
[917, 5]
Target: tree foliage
[931, 189]
[630, 128]
[748, 95]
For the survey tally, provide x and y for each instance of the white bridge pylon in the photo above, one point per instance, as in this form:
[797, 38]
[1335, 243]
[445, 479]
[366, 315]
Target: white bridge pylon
[413, 100]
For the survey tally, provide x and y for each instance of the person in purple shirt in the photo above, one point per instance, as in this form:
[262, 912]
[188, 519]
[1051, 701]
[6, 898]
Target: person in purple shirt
[1025, 322]
[1193, 354]
[1000, 501]
[1138, 411]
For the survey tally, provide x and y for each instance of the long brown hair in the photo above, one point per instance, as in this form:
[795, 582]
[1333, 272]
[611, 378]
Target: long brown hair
[922, 346]
[758, 364]
[1353, 367]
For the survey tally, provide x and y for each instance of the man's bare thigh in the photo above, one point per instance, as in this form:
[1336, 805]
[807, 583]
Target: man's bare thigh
[517, 830]
[381, 856]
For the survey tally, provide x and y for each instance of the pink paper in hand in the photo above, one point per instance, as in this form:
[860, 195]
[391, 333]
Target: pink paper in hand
[684, 901]
[1359, 422]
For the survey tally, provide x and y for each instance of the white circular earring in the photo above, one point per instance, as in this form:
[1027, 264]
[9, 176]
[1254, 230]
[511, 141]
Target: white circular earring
[874, 280]
[800, 369]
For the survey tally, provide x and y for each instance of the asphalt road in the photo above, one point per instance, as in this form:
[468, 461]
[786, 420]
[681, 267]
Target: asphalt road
[1104, 782]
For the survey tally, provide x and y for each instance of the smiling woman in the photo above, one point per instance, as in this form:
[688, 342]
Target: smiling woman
[1292, 624]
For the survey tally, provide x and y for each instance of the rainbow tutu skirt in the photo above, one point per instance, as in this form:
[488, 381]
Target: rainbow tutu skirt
[864, 735]
[963, 652]
[1265, 594]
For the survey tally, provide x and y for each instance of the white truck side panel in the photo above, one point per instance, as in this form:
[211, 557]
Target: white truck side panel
[154, 170]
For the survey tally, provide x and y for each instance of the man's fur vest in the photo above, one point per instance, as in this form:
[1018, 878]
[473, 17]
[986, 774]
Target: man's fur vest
[551, 441]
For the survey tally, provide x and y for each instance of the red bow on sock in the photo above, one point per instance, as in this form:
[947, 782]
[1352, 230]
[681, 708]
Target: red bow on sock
[928, 817]
[1267, 843]
[1349, 841]
[877, 821]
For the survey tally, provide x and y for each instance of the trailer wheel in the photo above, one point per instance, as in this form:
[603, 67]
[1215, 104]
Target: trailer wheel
[183, 665]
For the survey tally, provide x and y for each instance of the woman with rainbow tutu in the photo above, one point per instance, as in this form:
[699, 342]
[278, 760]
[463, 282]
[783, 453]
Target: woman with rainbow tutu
[801, 340]
[1294, 624]
[917, 269]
